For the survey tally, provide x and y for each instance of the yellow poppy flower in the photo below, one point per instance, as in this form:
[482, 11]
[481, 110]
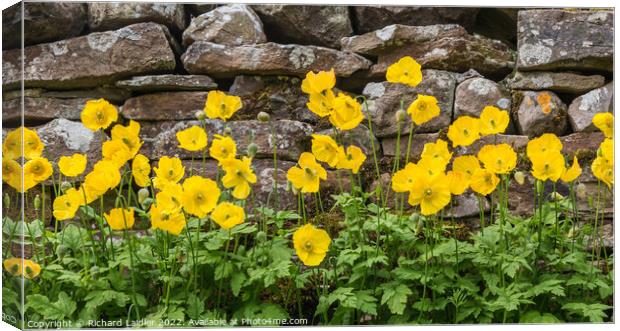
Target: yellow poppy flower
[119, 218]
[325, 149]
[169, 171]
[12, 146]
[423, 109]
[165, 219]
[431, 193]
[39, 167]
[603, 169]
[406, 71]
[95, 185]
[192, 139]
[431, 166]
[402, 180]
[72, 166]
[98, 114]
[466, 164]
[483, 181]
[227, 215]
[239, 174]
[322, 104]
[347, 113]
[464, 131]
[223, 148]
[220, 105]
[351, 159]
[128, 135]
[548, 166]
[501, 158]
[200, 195]
[12, 173]
[22, 267]
[319, 82]
[437, 150]
[605, 123]
[141, 170]
[493, 120]
[458, 182]
[66, 205]
[116, 152]
[607, 149]
[547, 143]
[307, 175]
[572, 172]
[111, 173]
[311, 244]
[171, 197]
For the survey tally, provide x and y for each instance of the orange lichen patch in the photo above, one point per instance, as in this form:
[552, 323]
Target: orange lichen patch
[544, 100]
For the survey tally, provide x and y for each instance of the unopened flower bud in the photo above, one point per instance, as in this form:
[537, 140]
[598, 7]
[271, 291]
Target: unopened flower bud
[401, 115]
[37, 202]
[519, 177]
[261, 236]
[143, 193]
[7, 200]
[227, 131]
[65, 186]
[581, 190]
[540, 186]
[556, 196]
[252, 150]
[146, 203]
[263, 116]
[200, 115]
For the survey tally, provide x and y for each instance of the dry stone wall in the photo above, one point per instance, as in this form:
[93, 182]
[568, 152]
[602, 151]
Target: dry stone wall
[157, 62]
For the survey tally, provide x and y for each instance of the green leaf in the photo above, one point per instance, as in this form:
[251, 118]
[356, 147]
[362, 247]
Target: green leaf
[593, 312]
[236, 282]
[553, 286]
[366, 302]
[96, 299]
[223, 270]
[534, 316]
[195, 306]
[59, 310]
[395, 295]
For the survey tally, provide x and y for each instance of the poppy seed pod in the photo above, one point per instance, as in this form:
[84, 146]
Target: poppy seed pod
[7, 200]
[519, 177]
[556, 196]
[263, 116]
[400, 115]
[581, 190]
[37, 202]
[540, 186]
[146, 203]
[143, 193]
[252, 150]
[227, 131]
[200, 115]
[65, 186]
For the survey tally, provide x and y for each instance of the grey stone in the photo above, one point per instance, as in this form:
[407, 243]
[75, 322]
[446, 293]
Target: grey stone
[582, 110]
[561, 82]
[109, 16]
[164, 106]
[466, 205]
[42, 109]
[280, 97]
[227, 25]
[43, 22]
[517, 142]
[581, 144]
[306, 25]
[370, 18]
[157, 83]
[474, 94]
[540, 112]
[197, 9]
[390, 145]
[291, 138]
[78, 62]
[222, 61]
[384, 100]
[446, 47]
[555, 39]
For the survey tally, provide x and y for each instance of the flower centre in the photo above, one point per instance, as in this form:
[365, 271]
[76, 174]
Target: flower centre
[100, 116]
[428, 192]
[308, 245]
[465, 132]
[199, 196]
[493, 123]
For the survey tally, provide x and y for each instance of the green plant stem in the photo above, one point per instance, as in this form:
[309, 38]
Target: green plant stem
[275, 165]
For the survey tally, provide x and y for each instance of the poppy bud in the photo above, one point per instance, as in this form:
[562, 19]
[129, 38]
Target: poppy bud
[7, 200]
[143, 193]
[261, 236]
[37, 202]
[200, 115]
[64, 186]
[581, 190]
[540, 186]
[519, 177]
[146, 203]
[556, 196]
[227, 131]
[263, 116]
[401, 115]
[252, 150]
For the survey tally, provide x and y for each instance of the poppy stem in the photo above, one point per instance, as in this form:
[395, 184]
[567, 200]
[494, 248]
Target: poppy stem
[275, 165]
